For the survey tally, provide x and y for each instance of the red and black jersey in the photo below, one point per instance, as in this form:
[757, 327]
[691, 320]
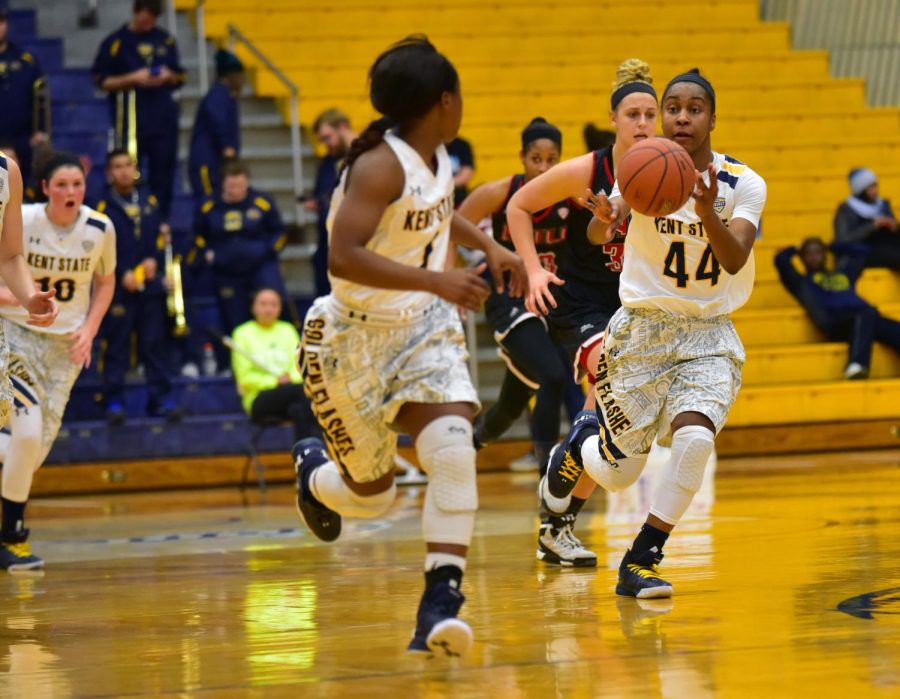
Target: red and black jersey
[550, 227]
[581, 262]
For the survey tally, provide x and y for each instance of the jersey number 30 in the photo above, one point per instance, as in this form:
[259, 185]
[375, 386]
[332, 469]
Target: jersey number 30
[65, 288]
[675, 266]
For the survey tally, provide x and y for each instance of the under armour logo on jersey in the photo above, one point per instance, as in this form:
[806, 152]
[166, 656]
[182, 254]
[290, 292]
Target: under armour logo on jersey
[34, 241]
[416, 189]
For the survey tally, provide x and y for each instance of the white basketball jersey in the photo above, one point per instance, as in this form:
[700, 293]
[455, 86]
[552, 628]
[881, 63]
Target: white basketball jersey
[414, 230]
[65, 259]
[4, 189]
[669, 263]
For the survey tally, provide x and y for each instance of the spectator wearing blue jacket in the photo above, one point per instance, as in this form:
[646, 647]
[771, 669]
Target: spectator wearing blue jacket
[865, 218]
[138, 66]
[23, 119]
[216, 136]
[139, 304]
[830, 298]
[239, 233]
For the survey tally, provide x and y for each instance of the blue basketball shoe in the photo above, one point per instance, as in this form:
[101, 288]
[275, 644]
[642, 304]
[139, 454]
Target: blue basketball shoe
[308, 455]
[438, 631]
[639, 576]
[15, 553]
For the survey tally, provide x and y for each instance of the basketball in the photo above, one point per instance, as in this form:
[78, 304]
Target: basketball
[656, 177]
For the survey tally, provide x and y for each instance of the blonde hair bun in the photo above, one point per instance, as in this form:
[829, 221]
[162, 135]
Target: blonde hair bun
[632, 70]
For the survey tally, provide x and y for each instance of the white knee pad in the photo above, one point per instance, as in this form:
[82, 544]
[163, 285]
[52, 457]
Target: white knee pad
[24, 453]
[447, 454]
[330, 489]
[611, 476]
[682, 475]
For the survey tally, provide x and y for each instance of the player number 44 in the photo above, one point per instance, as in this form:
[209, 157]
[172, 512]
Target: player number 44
[675, 266]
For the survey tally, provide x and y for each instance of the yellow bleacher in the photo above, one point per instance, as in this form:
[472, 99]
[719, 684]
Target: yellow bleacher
[780, 112]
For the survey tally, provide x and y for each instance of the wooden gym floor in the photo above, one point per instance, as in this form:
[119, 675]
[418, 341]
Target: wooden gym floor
[786, 575]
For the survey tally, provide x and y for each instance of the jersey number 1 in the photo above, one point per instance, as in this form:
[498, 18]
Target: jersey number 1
[675, 266]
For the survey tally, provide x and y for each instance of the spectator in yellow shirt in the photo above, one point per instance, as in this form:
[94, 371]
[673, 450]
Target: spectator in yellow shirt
[265, 367]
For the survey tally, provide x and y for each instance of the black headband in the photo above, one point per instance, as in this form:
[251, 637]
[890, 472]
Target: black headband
[630, 88]
[697, 79]
[541, 129]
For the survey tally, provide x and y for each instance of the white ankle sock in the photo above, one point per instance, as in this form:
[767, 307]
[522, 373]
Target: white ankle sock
[438, 559]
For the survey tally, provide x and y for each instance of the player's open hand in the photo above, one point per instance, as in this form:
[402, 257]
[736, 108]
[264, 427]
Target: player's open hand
[608, 216]
[464, 287]
[501, 260]
[539, 297]
[80, 345]
[705, 195]
[42, 309]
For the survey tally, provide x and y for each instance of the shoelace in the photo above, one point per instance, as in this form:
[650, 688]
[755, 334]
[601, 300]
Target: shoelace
[21, 550]
[567, 538]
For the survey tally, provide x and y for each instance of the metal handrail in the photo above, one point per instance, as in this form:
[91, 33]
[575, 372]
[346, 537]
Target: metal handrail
[202, 60]
[235, 35]
[171, 19]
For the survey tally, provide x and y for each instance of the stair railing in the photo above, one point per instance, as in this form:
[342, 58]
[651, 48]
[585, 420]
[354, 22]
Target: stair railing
[235, 36]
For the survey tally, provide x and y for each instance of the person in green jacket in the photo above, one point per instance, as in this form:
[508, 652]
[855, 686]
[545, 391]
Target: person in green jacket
[264, 363]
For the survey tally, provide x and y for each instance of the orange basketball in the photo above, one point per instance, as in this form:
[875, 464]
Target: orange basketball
[656, 177]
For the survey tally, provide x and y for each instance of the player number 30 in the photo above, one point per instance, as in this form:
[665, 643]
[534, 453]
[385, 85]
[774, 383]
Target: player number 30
[675, 266]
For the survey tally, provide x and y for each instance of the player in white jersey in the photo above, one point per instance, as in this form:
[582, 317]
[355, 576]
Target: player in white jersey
[41, 309]
[71, 250]
[385, 349]
[672, 359]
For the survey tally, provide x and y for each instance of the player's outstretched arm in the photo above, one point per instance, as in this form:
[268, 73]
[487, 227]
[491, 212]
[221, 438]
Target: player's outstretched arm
[15, 272]
[559, 183]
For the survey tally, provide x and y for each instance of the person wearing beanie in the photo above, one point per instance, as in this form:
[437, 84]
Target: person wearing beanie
[865, 218]
[216, 136]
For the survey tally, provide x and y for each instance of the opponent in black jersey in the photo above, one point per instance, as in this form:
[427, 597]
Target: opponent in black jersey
[522, 338]
[579, 301]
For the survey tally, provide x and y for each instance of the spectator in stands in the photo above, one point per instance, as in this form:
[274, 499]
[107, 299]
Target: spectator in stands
[139, 303]
[333, 130]
[23, 117]
[239, 234]
[216, 136]
[829, 296]
[597, 139]
[864, 217]
[264, 361]
[463, 161]
[41, 152]
[138, 66]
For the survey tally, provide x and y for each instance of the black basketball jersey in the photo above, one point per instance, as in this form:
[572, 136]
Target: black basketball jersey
[581, 262]
[550, 227]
